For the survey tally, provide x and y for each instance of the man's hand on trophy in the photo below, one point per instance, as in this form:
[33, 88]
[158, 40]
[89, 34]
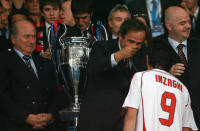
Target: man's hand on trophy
[46, 54]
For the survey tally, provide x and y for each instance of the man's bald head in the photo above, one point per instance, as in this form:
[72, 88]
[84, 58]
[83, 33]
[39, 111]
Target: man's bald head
[178, 23]
[173, 12]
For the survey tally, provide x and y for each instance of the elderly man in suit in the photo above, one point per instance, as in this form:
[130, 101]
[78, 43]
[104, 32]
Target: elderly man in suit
[28, 93]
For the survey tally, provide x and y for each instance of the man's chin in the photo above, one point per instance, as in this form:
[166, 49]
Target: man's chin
[82, 28]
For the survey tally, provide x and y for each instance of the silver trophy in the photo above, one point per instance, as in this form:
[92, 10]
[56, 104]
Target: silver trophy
[74, 59]
[72, 62]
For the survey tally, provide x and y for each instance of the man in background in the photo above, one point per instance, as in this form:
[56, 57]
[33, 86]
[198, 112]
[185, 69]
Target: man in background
[116, 17]
[66, 14]
[193, 8]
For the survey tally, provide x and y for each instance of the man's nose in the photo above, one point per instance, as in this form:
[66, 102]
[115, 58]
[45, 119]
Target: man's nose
[51, 12]
[188, 25]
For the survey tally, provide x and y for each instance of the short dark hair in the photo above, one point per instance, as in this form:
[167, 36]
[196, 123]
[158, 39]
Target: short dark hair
[81, 6]
[159, 54]
[42, 3]
[132, 25]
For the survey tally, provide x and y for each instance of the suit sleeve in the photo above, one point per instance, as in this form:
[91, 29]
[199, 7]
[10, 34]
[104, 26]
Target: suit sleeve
[100, 59]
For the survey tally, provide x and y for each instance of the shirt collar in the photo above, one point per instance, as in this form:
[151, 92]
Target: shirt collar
[19, 53]
[47, 26]
[119, 45]
[114, 37]
[174, 43]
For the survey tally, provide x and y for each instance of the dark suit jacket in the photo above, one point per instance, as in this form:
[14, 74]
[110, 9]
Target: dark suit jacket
[106, 88]
[191, 75]
[196, 33]
[21, 93]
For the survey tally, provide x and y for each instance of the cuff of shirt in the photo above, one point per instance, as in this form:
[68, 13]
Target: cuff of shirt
[113, 62]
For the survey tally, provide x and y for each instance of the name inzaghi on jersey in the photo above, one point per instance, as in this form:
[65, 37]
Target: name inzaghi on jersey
[168, 82]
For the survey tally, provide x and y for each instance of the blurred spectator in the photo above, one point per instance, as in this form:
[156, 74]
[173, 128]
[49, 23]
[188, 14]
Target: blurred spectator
[83, 11]
[193, 7]
[7, 8]
[50, 10]
[34, 11]
[102, 9]
[66, 13]
[116, 17]
[153, 10]
[4, 31]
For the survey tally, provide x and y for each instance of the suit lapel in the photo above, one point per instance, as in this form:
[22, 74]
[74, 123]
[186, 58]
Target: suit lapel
[22, 66]
[189, 50]
[174, 54]
[37, 65]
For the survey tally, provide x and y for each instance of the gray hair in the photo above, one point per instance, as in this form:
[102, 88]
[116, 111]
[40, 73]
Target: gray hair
[118, 7]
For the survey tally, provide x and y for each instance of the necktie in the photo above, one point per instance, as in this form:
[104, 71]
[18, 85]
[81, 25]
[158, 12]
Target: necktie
[99, 31]
[155, 14]
[181, 54]
[126, 64]
[28, 63]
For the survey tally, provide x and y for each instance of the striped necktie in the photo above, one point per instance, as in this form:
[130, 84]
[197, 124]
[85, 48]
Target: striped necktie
[181, 54]
[28, 63]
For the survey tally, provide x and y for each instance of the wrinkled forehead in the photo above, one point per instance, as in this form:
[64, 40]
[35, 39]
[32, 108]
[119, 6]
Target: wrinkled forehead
[24, 25]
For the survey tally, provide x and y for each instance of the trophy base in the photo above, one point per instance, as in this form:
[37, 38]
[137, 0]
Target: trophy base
[69, 114]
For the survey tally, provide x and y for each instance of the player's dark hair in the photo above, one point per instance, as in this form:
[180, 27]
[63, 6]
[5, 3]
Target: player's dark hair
[82, 6]
[134, 25]
[159, 55]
